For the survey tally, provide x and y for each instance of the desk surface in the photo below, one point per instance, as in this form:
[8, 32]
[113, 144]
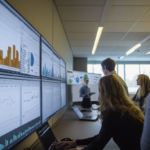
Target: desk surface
[70, 126]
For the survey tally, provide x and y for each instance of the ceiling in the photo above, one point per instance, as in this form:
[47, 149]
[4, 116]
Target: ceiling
[125, 22]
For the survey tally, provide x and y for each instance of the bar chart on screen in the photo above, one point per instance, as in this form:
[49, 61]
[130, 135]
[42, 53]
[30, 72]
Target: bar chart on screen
[10, 50]
[47, 56]
[56, 67]
[9, 106]
[30, 101]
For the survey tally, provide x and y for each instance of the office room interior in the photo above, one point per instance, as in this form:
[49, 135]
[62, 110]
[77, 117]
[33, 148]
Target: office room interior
[70, 29]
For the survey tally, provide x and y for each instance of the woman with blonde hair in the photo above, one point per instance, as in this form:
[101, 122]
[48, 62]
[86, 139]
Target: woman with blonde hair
[121, 119]
[141, 96]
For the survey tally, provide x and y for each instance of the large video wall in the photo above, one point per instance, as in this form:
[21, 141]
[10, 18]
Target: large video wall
[32, 78]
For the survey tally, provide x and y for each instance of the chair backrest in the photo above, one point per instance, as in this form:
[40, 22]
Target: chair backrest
[145, 140]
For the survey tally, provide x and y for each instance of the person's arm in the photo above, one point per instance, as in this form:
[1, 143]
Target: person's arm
[86, 141]
[134, 98]
[82, 94]
[105, 134]
[145, 140]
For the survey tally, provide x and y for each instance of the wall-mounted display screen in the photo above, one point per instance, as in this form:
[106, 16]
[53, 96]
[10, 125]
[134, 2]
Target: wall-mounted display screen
[20, 43]
[20, 109]
[47, 59]
[56, 67]
[32, 78]
[63, 70]
[53, 98]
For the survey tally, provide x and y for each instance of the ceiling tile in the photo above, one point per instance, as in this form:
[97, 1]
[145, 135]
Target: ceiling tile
[131, 2]
[81, 26]
[81, 48]
[136, 36]
[80, 2]
[108, 43]
[146, 17]
[81, 42]
[141, 27]
[126, 13]
[109, 36]
[80, 13]
[117, 26]
[81, 36]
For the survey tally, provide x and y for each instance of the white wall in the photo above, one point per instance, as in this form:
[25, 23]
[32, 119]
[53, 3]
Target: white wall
[43, 16]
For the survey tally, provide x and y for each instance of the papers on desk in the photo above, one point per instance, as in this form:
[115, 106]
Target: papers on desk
[94, 106]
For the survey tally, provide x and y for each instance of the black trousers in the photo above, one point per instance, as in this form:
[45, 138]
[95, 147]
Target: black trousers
[86, 103]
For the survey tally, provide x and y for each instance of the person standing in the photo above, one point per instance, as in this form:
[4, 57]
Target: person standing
[108, 68]
[140, 98]
[85, 94]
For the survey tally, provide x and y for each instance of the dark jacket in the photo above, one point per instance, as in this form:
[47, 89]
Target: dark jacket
[141, 102]
[145, 140]
[125, 131]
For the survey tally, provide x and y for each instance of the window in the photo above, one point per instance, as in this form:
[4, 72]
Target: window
[131, 74]
[128, 72]
[145, 69]
[90, 68]
[121, 70]
[98, 69]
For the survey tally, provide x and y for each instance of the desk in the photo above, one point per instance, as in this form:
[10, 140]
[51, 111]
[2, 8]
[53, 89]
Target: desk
[70, 126]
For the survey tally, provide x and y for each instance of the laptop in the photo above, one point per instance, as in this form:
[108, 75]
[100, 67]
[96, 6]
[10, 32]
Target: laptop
[84, 117]
[47, 137]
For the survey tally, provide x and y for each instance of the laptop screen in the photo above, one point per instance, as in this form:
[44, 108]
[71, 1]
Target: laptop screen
[78, 112]
[46, 136]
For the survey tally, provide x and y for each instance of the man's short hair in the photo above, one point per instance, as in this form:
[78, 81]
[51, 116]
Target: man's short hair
[109, 63]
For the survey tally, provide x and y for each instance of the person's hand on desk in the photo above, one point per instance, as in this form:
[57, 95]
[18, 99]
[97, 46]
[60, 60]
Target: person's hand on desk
[67, 144]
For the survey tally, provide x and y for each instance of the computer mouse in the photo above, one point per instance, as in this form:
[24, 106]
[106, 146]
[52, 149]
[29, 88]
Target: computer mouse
[66, 139]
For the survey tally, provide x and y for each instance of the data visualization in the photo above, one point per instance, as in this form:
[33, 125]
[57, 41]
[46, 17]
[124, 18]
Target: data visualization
[32, 78]
[63, 70]
[30, 51]
[19, 109]
[20, 43]
[30, 101]
[63, 94]
[47, 100]
[10, 40]
[56, 67]
[47, 59]
[56, 96]
[9, 105]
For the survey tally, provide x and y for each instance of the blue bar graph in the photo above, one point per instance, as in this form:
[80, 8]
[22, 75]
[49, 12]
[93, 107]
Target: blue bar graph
[16, 137]
[1, 147]
[46, 72]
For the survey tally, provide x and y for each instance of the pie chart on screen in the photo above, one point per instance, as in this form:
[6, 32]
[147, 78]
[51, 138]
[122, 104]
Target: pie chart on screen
[32, 59]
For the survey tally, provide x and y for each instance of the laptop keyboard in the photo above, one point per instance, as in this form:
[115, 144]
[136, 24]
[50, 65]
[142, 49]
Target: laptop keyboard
[87, 117]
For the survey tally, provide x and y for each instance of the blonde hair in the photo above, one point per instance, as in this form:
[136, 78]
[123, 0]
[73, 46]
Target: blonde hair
[145, 85]
[112, 96]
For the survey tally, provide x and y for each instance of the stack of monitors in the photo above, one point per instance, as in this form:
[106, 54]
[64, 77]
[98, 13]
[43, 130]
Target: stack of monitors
[32, 78]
